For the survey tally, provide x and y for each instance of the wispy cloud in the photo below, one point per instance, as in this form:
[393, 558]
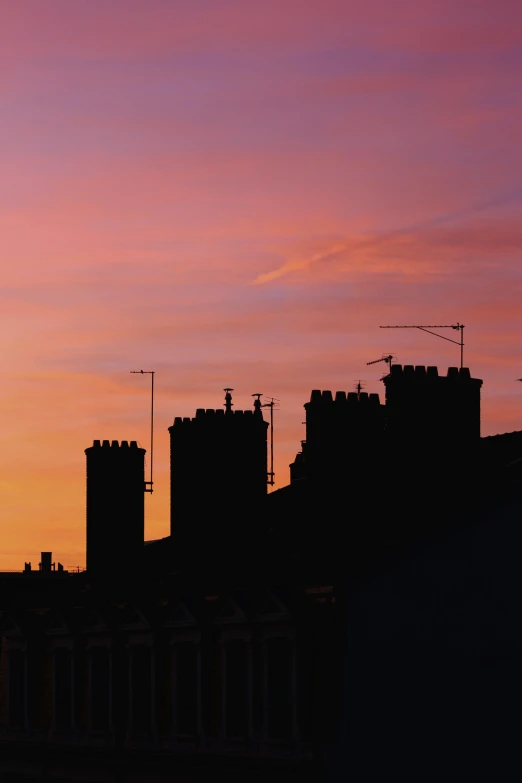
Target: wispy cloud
[392, 249]
[300, 264]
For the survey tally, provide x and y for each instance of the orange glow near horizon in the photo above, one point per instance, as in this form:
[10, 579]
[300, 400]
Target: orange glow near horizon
[237, 194]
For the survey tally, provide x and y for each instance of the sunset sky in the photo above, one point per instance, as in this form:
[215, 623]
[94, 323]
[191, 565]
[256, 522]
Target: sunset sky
[238, 193]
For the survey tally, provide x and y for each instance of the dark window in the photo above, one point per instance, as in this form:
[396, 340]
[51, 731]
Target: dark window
[100, 688]
[279, 673]
[141, 688]
[17, 689]
[257, 688]
[62, 688]
[163, 684]
[237, 689]
[212, 687]
[186, 688]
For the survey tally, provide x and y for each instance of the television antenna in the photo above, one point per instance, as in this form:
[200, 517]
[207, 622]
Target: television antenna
[359, 386]
[148, 484]
[426, 328]
[272, 403]
[384, 358]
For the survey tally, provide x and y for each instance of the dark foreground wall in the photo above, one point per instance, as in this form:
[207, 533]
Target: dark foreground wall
[433, 662]
[61, 765]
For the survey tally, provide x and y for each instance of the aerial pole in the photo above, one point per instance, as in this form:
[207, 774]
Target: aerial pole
[148, 484]
[272, 474]
[272, 401]
[426, 328]
[388, 358]
[359, 386]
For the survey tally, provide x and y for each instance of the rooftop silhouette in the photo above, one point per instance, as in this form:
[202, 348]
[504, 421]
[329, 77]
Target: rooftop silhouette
[287, 634]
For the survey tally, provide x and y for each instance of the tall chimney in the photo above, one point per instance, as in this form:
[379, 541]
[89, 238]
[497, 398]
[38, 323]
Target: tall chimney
[115, 507]
[218, 481]
[435, 412]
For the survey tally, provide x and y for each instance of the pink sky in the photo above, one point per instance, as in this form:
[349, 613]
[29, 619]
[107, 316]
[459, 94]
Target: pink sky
[238, 194]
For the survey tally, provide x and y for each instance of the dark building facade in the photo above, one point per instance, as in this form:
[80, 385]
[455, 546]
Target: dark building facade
[223, 680]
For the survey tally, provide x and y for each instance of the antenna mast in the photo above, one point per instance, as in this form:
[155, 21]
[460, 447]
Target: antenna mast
[272, 402]
[148, 484]
[359, 386]
[388, 359]
[457, 326]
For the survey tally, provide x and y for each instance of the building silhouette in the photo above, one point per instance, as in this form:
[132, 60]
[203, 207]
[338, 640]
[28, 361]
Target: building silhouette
[115, 507]
[360, 623]
[218, 479]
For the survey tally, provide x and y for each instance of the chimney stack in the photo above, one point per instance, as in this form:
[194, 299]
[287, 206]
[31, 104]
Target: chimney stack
[115, 507]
